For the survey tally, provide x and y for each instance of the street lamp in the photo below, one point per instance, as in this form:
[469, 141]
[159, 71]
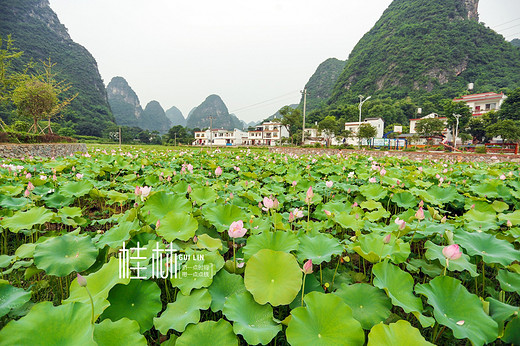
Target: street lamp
[457, 116]
[361, 101]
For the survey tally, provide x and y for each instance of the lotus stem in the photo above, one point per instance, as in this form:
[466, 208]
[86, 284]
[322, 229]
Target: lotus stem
[234, 258]
[335, 272]
[303, 286]
[91, 305]
[446, 267]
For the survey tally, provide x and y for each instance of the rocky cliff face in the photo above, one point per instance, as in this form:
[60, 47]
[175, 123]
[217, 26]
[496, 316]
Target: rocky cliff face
[124, 102]
[215, 108]
[472, 8]
[37, 32]
[175, 116]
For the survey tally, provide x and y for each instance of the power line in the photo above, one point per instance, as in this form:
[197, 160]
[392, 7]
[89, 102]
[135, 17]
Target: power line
[496, 26]
[516, 33]
[260, 103]
[511, 27]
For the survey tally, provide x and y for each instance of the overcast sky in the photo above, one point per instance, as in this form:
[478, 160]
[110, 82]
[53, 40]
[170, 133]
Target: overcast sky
[256, 55]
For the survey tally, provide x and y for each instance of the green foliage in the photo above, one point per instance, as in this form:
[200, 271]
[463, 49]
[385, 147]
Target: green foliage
[430, 127]
[179, 134]
[508, 129]
[35, 99]
[511, 107]
[291, 119]
[419, 47]
[366, 131]
[36, 30]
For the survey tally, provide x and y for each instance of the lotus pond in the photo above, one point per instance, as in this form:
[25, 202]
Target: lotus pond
[146, 246]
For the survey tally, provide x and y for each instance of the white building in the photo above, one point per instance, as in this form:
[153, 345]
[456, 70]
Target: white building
[269, 133]
[220, 137]
[353, 127]
[482, 103]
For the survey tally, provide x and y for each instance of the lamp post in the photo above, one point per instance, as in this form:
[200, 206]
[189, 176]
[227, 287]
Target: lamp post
[361, 101]
[457, 117]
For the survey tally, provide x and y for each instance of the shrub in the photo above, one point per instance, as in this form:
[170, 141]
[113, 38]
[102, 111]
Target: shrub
[481, 150]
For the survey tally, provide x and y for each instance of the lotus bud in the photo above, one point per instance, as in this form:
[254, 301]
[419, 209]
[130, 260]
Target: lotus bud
[82, 281]
[387, 238]
[307, 267]
[157, 224]
[419, 215]
[509, 223]
[452, 252]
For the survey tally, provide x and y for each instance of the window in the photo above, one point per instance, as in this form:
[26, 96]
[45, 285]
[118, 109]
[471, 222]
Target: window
[488, 106]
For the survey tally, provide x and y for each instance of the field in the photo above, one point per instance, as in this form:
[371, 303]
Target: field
[145, 245]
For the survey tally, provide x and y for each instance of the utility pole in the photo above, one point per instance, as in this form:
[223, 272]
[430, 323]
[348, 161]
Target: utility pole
[361, 101]
[457, 116]
[210, 133]
[175, 139]
[119, 136]
[304, 92]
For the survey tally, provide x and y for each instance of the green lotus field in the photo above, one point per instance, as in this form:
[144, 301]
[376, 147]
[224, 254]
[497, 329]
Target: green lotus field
[143, 246]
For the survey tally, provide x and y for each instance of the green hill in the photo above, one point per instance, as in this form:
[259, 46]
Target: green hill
[214, 107]
[37, 32]
[419, 47]
[320, 85]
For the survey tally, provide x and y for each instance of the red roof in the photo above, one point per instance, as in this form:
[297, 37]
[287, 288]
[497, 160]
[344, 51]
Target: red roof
[482, 96]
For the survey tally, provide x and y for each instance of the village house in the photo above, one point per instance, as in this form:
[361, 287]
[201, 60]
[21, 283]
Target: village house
[220, 137]
[353, 127]
[269, 133]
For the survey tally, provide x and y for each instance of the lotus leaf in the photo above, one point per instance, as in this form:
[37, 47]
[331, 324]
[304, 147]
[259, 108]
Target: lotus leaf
[405, 200]
[459, 310]
[185, 310]
[492, 249]
[121, 332]
[325, 320]
[434, 252]
[203, 195]
[62, 255]
[250, 319]
[373, 191]
[224, 286]
[76, 189]
[12, 298]
[398, 285]
[373, 248]
[139, 300]
[399, 333]
[509, 281]
[276, 241]
[273, 277]
[369, 304]
[161, 203]
[27, 219]
[319, 248]
[208, 333]
[222, 216]
[46, 324]
[175, 225]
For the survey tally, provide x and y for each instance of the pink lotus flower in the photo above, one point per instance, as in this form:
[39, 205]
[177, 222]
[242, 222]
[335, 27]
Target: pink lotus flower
[387, 238]
[297, 213]
[30, 186]
[82, 282]
[79, 175]
[328, 213]
[452, 252]
[329, 184]
[218, 171]
[268, 204]
[291, 216]
[27, 193]
[310, 194]
[145, 191]
[502, 177]
[157, 224]
[294, 183]
[382, 171]
[137, 191]
[354, 205]
[237, 230]
[189, 189]
[419, 215]
[28, 175]
[401, 223]
[509, 223]
[307, 267]
[372, 180]
[276, 204]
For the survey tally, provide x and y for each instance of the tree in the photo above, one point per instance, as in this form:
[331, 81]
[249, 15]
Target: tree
[430, 127]
[508, 129]
[451, 108]
[329, 127]
[7, 55]
[366, 131]
[291, 119]
[179, 134]
[511, 107]
[477, 126]
[35, 99]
